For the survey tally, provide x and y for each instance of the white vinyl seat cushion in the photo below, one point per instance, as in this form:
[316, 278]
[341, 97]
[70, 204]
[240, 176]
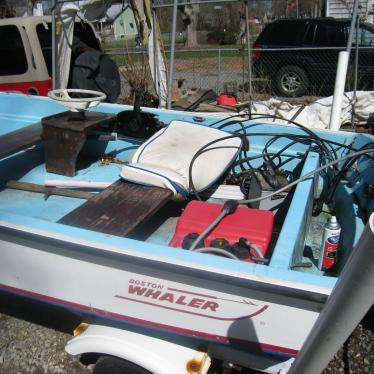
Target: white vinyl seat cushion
[164, 159]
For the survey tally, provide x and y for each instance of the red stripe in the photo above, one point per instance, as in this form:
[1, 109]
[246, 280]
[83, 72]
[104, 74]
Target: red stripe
[179, 330]
[41, 86]
[194, 313]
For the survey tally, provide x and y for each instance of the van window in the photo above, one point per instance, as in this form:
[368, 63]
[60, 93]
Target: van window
[44, 35]
[330, 35]
[13, 57]
[309, 35]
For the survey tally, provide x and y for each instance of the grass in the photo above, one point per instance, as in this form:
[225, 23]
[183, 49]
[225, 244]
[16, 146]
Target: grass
[200, 52]
[108, 43]
[190, 55]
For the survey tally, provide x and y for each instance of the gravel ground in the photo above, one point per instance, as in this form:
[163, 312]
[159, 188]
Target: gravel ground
[33, 338]
[30, 348]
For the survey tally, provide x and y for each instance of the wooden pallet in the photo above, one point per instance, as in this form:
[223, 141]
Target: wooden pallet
[119, 209]
[20, 139]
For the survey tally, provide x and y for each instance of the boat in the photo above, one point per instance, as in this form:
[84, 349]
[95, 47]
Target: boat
[114, 256]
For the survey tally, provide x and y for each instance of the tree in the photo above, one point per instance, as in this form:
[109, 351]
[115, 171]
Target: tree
[190, 15]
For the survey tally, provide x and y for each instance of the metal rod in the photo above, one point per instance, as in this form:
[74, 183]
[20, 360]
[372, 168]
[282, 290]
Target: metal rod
[354, 98]
[197, 3]
[218, 88]
[32, 187]
[172, 54]
[348, 303]
[155, 56]
[352, 28]
[248, 49]
[297, 8]
[117, 51]
[53, 45]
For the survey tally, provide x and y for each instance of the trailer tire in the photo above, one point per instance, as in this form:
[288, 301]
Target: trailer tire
[115, 365]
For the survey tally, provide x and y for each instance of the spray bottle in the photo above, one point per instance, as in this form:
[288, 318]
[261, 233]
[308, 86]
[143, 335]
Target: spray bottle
[330, 244]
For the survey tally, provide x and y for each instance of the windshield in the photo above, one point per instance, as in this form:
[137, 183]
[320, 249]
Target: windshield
[365, 36]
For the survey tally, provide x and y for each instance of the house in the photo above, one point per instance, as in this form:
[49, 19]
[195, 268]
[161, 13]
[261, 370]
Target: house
[343, 9]
[124, 26]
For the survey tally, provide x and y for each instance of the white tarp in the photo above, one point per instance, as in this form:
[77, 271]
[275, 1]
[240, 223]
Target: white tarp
[65, 33]
[91, 10]
[150, 35]
[317, 114]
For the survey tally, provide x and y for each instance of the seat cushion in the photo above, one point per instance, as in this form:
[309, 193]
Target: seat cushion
[165, 158]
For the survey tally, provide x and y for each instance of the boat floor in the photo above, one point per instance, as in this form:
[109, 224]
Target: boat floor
[36, 205]
[158, 230]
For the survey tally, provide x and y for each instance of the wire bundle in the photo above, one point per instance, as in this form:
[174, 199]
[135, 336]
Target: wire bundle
[326, 148]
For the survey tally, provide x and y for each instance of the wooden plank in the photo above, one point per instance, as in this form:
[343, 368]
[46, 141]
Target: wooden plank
[20, 139]
[47, 191]
[64, 137]
[81, 122]
[118, 209]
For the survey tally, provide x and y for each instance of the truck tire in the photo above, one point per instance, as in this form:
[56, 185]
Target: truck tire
[291, 81]
[115, 365]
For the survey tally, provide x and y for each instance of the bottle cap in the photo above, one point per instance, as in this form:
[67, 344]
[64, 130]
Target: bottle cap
[333, 219]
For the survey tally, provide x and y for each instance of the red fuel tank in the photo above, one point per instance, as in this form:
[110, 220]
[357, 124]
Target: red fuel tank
[253, 224]
[226, 100]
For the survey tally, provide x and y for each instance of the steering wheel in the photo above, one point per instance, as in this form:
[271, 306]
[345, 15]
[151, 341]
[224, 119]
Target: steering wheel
[84, 98]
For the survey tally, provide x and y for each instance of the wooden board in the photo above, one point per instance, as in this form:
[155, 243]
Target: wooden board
[118, 209]
[20, 139]
[65, 137]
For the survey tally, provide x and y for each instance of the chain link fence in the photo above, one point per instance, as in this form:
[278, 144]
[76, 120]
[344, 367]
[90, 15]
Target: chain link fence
[283, 72]
[294, 72]
[218, 60]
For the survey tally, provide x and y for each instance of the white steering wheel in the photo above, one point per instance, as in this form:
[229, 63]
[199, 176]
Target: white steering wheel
[89, 98]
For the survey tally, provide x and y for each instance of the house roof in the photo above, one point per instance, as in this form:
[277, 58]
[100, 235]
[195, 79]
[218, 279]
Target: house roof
[114, 12]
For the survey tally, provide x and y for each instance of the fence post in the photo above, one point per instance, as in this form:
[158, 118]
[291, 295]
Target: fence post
[354, 98]
[54, 49]
[341, 74]
[218, 85]
[248, 49]
[172, 53]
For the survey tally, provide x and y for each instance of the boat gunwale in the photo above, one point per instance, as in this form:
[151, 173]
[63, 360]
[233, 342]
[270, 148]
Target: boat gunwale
[281, 281]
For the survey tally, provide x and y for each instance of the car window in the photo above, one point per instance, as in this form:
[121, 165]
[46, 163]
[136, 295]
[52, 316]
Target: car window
[13, 57]
[283, 34]
[44, 35]
[330, 35]
[365, 36]
[309, 35]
